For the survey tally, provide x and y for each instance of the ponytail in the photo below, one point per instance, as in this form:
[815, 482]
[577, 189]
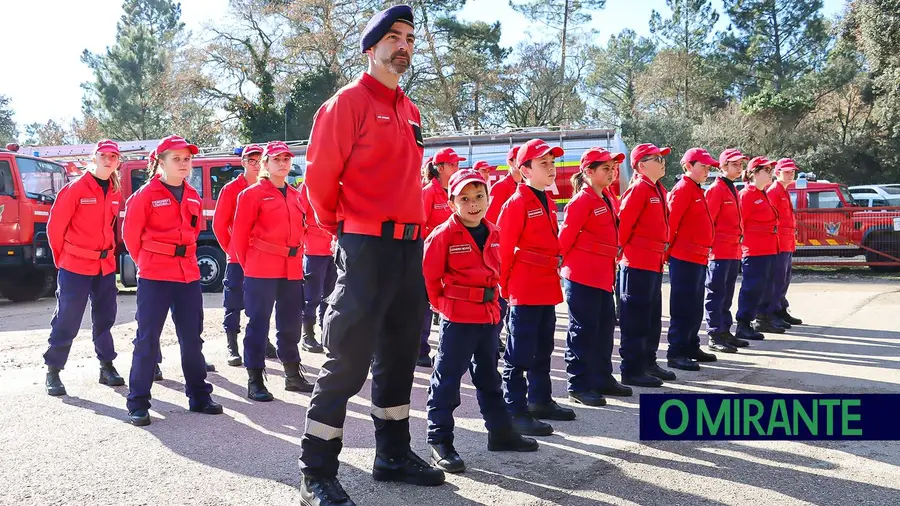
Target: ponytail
[263, 170]
[429, 171]
[578, 181]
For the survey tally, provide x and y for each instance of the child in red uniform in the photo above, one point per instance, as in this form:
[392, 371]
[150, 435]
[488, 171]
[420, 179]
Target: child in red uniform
[484, 170]
[690, 242]
[82, 239]
[588, 241]
[319, 274]
[461, 268]
[775, 303]
[437, 172]
[161, 226]
[268, 241]
[529, 280]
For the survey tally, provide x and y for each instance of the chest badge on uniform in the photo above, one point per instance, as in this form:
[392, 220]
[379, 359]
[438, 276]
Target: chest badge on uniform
[460, 248]
[654, 200]
[92, 200]
[760, 201]
[534, 213]
[600, 210]
[161, 202]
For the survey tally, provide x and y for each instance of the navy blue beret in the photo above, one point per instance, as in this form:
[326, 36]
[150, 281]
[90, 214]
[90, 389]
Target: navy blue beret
[382, 21]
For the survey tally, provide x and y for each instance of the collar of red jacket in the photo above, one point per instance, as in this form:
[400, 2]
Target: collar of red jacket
[381, 91]
[265, 183]
[644, 179]
[458, 224]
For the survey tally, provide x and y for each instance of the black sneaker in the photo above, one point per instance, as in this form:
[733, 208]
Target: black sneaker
[157, 376]
[408, 468]
[588, 398]
[722, 347]
[527, 425]
[323, 492]
[730, 339]
[658, 372]
[746, 331]
[551, 411]
[445, 457]
[778, 322]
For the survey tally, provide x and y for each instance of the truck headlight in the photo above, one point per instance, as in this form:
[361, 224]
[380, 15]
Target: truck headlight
[40, 252]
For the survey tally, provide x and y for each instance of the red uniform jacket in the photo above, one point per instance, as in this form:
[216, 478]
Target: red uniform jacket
[690, 224]
[613, 199]
[223, 219]
[268, 232]
[82, 226]
[161, 233]
[462, 280]
[725, 212]
[644, 225]
[529, 251]
[364, 157]
[787, 223]
[588, 241]
[318, 242]
[436, 203]
[760, 223]
[500, 193]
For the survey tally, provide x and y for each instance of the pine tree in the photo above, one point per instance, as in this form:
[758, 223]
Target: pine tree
[8, 129]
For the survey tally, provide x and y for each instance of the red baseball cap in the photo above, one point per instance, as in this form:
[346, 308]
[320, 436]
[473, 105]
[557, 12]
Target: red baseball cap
[785, 165]
[536, 148]
[599, 155]
[699, 155]
[175, 142]
[107, 146]
[275, 148]
[461, 178]
[251, 149]
[759, 161]
[730, 155]
[642, 150]
[512, 153]
[447, 155]
[481, 164]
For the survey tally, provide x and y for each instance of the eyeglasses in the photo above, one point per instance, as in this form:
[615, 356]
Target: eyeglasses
[657, 158]
[252, 161]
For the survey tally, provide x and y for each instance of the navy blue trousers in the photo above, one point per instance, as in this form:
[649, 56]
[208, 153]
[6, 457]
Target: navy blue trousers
[154, 301]
[72, 294]
[756, 273]
[776, 300]
[640, 320]
[721, 278]
[373, 310]
[233, 297]
[424, 346]
[526, 370]
[319, 275]
[261, 296]
[472, 347]
[686, 280]
[589, 341]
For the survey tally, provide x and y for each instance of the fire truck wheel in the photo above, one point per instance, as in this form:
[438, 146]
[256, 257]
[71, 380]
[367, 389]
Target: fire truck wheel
[211, 260]
[30, 286]
[886, 242]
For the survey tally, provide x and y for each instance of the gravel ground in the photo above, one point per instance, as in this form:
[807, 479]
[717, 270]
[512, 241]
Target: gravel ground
[79, 450]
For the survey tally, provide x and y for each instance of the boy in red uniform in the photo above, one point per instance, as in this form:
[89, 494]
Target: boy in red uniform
[268, 241]
[643, 236]
[82, 239]
[776, 303]
[529, 280]
[504, 189]
[319, 274]
[484, 170]
[588, 241]
[690, 241]
[462, 269]
[223, 219]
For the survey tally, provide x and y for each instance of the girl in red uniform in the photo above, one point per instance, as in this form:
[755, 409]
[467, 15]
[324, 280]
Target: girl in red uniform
[759, 248]
[529, 280]
[268, 241]
[588, 242]
[484, 170]
[437, 172]
[319, 274]
[162, 223]
[82, 239]
[776, 300]
[461, 268]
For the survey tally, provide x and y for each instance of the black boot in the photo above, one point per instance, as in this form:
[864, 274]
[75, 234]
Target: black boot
[234, 356]
[551, 411]
[323, 492]
[784, 315]
[408, 468]
[745, 331]
[588, 398]
[445, 457]
[683, 363]
[271, 352]
[205, 406]
[719, 342]
[641, 380]
[109, 375]
[424, 361]
[763, 324]
[256, 386]
[294, 380]
[729, 338]
[309, 342]
[157, 376]
[701, 356]
[613, 388]
[210, 367]
[510, 441]
[529, 426]
[55, 385]
[658, 372]
[139, 417]
[779, 322]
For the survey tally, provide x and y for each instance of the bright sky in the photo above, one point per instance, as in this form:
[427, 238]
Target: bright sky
[44, 40]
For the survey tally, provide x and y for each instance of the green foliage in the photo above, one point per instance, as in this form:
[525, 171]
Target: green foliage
[307, 95]
[8, 129]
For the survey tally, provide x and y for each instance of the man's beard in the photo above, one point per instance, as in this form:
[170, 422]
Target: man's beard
[396, 64]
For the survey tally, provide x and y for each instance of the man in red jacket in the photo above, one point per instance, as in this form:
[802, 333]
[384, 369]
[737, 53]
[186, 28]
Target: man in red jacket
[529, 280]
[776, 302]
[363, 162]
[643, 238]
[690, 240]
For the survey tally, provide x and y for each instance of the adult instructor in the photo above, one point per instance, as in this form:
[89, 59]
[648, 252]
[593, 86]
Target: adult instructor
[364, 185]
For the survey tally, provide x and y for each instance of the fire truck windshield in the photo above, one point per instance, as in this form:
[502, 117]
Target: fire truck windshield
[41, 178]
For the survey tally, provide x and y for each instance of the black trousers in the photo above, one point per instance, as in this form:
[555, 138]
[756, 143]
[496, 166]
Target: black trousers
[375, 309]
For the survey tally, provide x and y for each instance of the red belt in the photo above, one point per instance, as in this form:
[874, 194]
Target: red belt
[729, 238]
[172, 250]
[88, 254]
[470, 293]
[761, 229]
[692, 247]
[388, 229]
[538, 259]
[274, 249]
[650, 244]
[596, 247]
